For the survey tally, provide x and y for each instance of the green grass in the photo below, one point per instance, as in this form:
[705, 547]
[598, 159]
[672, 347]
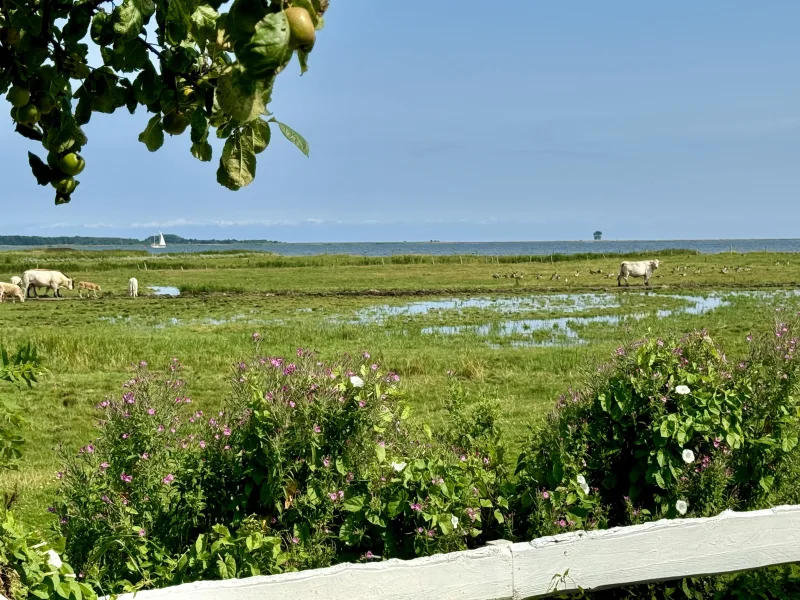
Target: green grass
[339, 304]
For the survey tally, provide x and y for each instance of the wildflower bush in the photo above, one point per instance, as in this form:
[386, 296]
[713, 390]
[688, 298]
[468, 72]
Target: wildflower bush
[668, 428]
[306, 463]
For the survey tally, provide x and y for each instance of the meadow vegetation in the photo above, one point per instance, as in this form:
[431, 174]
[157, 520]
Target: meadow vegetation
[481, 361]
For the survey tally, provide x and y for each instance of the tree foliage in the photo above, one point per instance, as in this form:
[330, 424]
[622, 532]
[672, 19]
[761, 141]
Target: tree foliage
[191, 65]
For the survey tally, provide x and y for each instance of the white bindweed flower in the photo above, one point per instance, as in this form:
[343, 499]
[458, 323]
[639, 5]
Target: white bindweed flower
[54, 559]
[398, 466]
[582, 483]
[687, 456]
[454, 521]
[681, 507]
[682, 390]
[356, 381]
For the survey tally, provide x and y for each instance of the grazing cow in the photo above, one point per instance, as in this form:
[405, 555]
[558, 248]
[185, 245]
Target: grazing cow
[11, 290]
[16, 280]
[641, 268]
[89, 287]
[133, 287]
[54, 280]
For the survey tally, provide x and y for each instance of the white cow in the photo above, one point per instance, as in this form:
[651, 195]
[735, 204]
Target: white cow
[16, 280]
[10, 290]
[133, 287]
[641, 268]
[54, 280]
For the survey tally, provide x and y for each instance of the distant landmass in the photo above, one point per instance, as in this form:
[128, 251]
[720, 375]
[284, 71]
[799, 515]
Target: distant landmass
[77, 240]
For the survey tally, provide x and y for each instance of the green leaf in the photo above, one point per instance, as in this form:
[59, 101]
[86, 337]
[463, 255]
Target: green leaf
[202, 151]
[204, 25]
[179, 20]
[239, 95]
[238, 160]
[259, 133]
[302, 56]
[294, 137]
[153, 134]
[380, 452]
[660, 480]
[354, 503]
[268, 48]
[41, 171]
[131, 17]
[499, 516]
[766, 482]
[199, 127]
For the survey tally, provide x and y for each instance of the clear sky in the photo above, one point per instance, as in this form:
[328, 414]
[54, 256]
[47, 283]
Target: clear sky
[475, 120]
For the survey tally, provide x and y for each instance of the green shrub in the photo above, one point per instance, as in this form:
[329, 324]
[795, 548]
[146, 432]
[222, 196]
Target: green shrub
[308, 463]
[668, 428]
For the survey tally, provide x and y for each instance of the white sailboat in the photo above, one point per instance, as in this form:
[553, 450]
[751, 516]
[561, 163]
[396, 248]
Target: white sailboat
[160, 243]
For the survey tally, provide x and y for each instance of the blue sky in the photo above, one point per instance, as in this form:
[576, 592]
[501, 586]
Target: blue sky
[533, 121]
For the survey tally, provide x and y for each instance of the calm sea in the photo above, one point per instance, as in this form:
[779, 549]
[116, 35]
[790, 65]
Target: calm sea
[480, 248]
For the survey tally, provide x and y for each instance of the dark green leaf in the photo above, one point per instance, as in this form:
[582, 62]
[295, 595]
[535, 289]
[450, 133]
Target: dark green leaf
[179, 20]
[259, 133]
[293, 137]
[41, 171]
[202, 151]
[238, 161]
[354, 503]
[131, 17]
[204, 25]
[153, 134]
[302, 56]
[268, 48]
[78, 24]
[199, 127]
[28, 132]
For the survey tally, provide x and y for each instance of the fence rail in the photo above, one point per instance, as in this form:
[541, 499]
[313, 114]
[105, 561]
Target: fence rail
[658, 551]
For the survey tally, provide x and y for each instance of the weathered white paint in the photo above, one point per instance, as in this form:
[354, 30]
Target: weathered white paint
[658, 551]
[472, 575]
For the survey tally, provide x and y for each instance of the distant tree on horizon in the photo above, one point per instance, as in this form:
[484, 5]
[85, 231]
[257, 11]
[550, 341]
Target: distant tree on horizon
[598, 235]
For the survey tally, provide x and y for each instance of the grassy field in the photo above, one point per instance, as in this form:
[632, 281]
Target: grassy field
[523, 341]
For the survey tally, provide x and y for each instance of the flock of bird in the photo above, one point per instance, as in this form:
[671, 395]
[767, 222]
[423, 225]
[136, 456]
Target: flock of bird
[680, 271]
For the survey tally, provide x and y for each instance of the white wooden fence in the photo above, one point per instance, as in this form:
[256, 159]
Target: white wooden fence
[658, 551]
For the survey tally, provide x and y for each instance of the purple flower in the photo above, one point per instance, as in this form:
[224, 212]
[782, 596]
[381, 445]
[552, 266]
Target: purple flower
[256, 336]
[104, 404]
[420, 530]
[50, 509]
[415, 507]
[145, 456]
[226, 431]
[365, 355]
[168, 479]
[60, 475]
[126, 478]
[317, 429]
[546, 495]
[326, 462]
[369, 554]
[562, 523]
[160, 428]
[295, 540]
[292, 403]
[151, 411]
[374, 367]
[104, 465]
[125, 436]
[142, 533]
[202, 444]
[106, 499]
